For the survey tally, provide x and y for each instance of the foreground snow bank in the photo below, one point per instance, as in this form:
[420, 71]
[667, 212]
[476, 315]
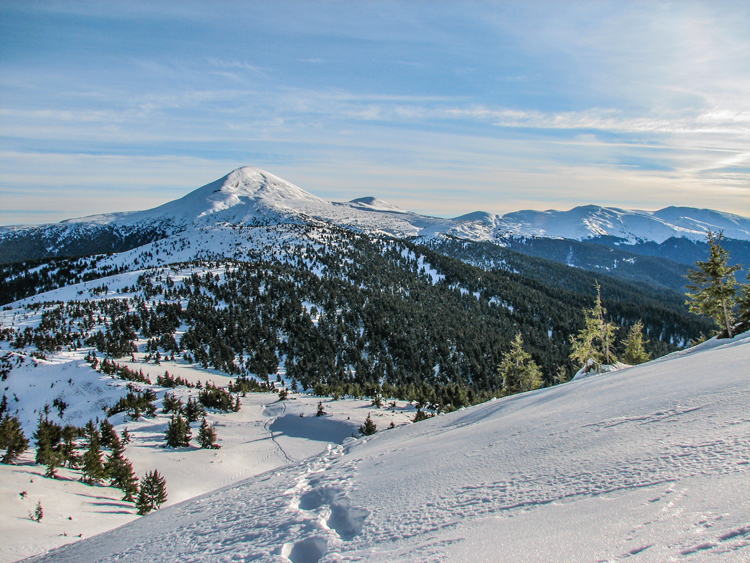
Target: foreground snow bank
[645, 464]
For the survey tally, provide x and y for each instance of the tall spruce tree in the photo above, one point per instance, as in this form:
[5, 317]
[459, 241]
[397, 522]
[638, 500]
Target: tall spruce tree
[12, 439]
[518, 370]
[635, 351]
[120, 472]
[109, 436]
[47, 436]
[68, 448]
[152, 493]
[93, 469]
[713, 286]
[594, 344]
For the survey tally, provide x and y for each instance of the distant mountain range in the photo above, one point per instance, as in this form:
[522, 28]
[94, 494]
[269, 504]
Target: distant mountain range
[589, 237]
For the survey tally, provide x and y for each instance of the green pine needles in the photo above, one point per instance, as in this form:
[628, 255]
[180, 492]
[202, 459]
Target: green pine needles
[152, 493]
[713, 288]
[594, 344]
[518, 370]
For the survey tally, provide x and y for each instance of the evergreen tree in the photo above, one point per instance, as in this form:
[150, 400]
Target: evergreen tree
[93, 469]
[120, 472]
[744, 306]
[47, 436]
[561, 376]
[421, 415]
[125, 436]
[68, 448]
[635, 352]
[53, 460]
[152, 493]
[194, 410]
[109, 436]
[207, 436]
[595, 342]
[178, 432]
[518, 370]
[369, 427]
[171, 404]
[713, 288]
[38, 512]
[321, 411]
[12, 439]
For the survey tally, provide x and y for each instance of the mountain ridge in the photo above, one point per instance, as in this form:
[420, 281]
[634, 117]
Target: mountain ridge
[252, 189]
[602, 239]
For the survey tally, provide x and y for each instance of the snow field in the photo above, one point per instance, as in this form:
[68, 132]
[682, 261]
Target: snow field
[265, 434]
[648, 464]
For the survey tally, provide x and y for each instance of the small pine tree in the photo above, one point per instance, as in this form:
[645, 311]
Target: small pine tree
[93, 469]
[421, 415]
[713, 288]
[171, 404]
[283, 394]
[125, 436]
[321, 411]
[52, 462]
[207, 436]
[518, 370]
[562, 375]
[12, 439]
[152, 493]
[369, 427]
[38, 512]
[635, 351]
[194, 411]
[178, 432]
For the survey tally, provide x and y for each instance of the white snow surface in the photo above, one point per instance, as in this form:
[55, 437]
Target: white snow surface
[250, 196]
[650, 463]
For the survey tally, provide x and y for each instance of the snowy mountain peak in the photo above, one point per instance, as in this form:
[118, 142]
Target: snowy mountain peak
[238, 195]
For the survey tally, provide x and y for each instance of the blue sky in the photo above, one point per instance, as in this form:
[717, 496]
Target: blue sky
[438, 107]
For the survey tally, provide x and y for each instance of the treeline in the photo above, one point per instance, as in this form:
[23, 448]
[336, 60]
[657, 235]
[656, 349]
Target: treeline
[352, 312]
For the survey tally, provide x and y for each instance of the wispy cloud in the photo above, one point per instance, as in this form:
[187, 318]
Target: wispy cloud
[487, 105]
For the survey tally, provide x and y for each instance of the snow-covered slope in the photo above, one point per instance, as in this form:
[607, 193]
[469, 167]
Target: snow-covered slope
[250, 196]
[589, 221]
[645, 464]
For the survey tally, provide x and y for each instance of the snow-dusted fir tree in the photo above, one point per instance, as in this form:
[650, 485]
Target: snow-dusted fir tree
[518, 370]
[152, 493]
[594, 344]
[713, 289]
[635, 351]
